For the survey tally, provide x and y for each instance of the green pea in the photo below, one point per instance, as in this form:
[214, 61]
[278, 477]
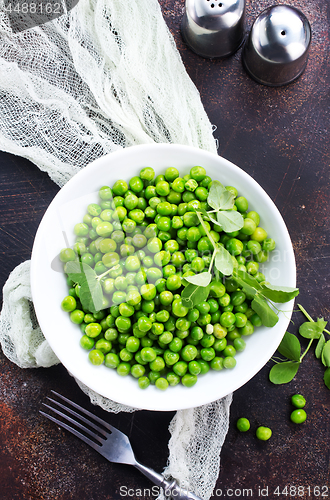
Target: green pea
[157, 365]
[207, 353]
[243, 424]
[298, 401]
[207, 340]
[197, 173]
[259, 234]
[173, 379]
[205, 367]
[123, 323]
[86, 342]
[166, 297]
[96, 357]
[220, 344]
[178, 185]
[69, 303]
[241, 204]
[173, 282]
[189, 380]
[254, 216]
[178, 309]
[67, 255]
[263, 433]
[229, 362]
[143, 382]
[136, 184]
[224, 301]
[147, 174]
[298, 416]
[180, 368]
[239, 344]
[123, 369]
[176, 344]
[163, 188]
[190, 219]
[217, 363]
[77, 316]
[161, 383]
[111, 334]
[103, 345]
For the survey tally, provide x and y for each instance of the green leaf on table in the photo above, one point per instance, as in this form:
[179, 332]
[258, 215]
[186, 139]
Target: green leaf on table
[201, 279]
[194, 294]
[90, 293]
[214, 196]
[312, 330]
[223, 261]
[325, 356]
[290, 347]
[282, 373]
[326, 378]
[261, 307]
[227, 200]
[319, 346]
[230, 220]
[279, 294]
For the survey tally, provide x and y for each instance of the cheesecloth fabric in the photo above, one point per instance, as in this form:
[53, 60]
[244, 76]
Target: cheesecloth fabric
[106, 75]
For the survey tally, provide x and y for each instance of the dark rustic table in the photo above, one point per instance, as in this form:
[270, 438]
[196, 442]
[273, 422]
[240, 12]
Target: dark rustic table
[280, 137]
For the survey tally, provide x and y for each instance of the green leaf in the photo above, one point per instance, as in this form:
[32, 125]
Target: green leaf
[247, 283]
[310, 330]
[321, 323]
[279, 294]
[268, 316]
[90, 294]
[215, 192]
[223, 261]
[227, 200]
[249, 279]
[213, 220]
[290, 347]
[282, 373]
[201, 279]
[194, 294]
[319, 346]
[325, 356]
[230, 220]
[326, 378]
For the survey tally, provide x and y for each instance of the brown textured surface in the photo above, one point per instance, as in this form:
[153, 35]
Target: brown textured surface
[279, 136]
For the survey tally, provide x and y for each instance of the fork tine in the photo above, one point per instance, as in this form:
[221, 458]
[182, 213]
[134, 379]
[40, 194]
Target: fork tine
[80, 417]
[72, 430]
[86, 412]
[77, 424]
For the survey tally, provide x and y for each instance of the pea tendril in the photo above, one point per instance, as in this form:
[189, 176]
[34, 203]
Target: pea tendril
[285, 370]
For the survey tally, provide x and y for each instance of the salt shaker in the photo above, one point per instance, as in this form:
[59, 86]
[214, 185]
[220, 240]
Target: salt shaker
[276, 50]
[213, 28]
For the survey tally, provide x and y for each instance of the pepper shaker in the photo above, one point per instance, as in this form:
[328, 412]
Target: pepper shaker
[213, 28]
[276, 50]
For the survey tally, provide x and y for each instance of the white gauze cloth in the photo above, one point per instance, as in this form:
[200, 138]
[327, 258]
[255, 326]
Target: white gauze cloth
[106, 75]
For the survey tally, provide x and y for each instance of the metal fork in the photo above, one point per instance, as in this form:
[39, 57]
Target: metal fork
[109, 442]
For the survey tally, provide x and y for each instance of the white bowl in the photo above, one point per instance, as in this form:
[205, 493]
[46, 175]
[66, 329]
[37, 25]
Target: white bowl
[49, 285]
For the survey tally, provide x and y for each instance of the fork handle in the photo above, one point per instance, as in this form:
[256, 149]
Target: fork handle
[171, 488]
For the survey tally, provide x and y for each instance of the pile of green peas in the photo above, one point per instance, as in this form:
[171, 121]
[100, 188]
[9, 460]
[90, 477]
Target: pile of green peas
[142, 239]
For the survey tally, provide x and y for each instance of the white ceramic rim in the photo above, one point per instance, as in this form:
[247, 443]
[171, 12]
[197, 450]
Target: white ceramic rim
[63, 336]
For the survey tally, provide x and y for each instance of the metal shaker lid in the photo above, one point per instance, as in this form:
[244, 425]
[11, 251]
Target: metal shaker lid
[213, 28]
[276, 51]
